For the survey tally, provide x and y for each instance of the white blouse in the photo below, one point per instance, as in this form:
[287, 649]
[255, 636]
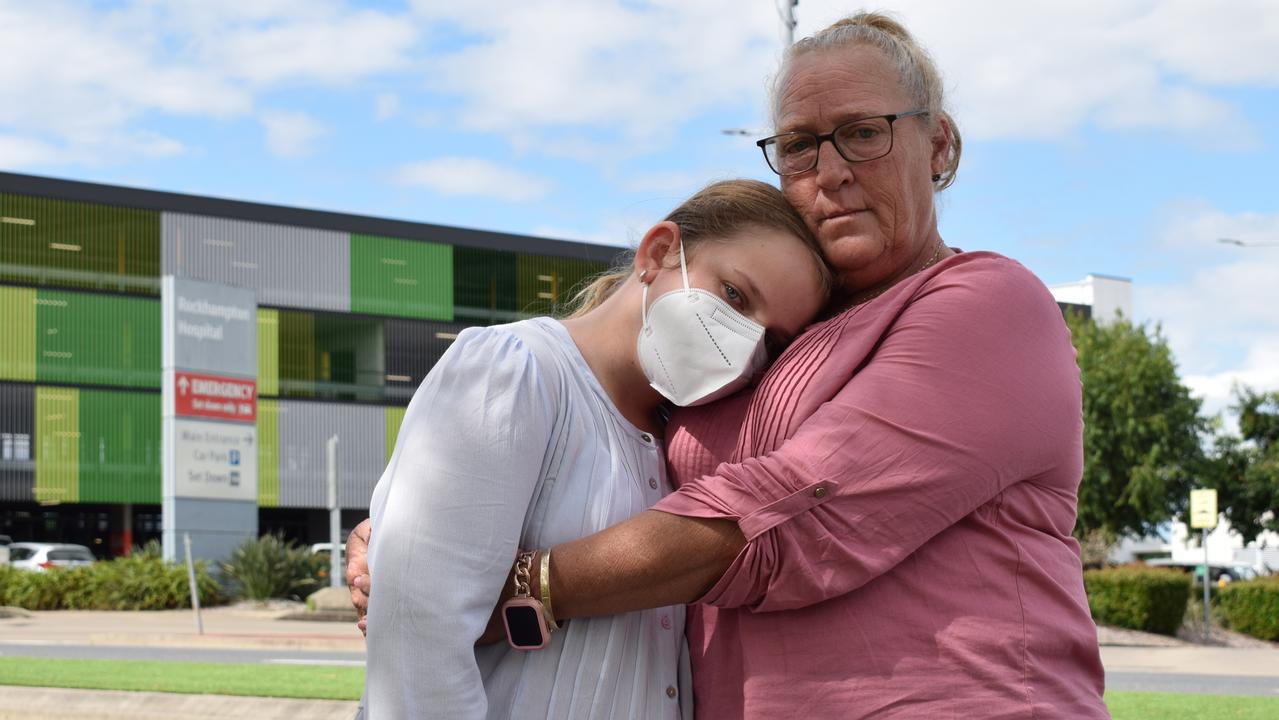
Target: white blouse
[511, 442]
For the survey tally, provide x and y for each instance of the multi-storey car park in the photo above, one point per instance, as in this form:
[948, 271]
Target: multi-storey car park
[352, 312]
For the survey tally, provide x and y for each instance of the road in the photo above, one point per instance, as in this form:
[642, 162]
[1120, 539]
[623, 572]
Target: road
[181, 654]
[1115, 680]
[1196, 684]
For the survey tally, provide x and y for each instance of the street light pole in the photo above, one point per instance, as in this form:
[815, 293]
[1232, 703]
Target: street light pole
[788, 20]
[788, 27]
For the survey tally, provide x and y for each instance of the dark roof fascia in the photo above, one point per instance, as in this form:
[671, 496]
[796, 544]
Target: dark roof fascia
[299, 217]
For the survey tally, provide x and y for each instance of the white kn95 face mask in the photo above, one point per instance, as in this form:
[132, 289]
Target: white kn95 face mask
[694, 347]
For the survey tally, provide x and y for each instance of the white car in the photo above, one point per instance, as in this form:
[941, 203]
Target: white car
[4, 549]
[42, 556]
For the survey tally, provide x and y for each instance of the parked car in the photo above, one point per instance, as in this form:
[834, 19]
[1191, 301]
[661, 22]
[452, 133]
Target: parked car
[325, 550]
[42, 556]
[1220, 573]
[5, 541]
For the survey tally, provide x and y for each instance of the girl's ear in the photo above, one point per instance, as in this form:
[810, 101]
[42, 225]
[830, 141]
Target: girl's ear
[660, 241]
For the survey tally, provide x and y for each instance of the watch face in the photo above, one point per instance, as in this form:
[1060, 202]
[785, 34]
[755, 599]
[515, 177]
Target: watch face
[525, 628]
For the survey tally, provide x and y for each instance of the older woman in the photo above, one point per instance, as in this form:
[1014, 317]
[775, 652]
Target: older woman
[883, 527]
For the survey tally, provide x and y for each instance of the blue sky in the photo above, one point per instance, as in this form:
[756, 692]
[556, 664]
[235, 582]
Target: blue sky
[1120, 137]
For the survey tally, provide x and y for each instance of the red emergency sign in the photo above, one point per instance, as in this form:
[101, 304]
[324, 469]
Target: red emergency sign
[214, 396]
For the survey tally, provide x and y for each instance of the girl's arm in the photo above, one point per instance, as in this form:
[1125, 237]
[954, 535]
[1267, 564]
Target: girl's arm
[448, 513]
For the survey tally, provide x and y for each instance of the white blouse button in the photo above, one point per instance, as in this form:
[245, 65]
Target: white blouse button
[647, 438]
[670, 691]
[666, 622]
[652, 482]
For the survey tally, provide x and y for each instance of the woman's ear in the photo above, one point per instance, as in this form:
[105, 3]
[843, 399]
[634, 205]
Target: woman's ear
[660, 241]
[940, 141]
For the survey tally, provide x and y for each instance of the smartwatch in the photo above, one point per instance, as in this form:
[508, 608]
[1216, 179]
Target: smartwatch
[524, 616]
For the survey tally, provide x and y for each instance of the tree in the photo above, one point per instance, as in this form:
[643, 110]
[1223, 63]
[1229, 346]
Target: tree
[1142, 430]
[1246, 466]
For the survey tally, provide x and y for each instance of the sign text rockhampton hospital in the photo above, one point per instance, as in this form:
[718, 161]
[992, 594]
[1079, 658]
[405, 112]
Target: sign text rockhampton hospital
[209, 365]
[206, 330]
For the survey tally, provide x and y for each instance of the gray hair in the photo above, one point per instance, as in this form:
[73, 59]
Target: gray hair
[916, 70]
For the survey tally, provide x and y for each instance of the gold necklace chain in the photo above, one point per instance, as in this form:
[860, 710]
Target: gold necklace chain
[931, 261]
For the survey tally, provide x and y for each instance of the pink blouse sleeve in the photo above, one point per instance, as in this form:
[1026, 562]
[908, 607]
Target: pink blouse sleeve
[972, 389]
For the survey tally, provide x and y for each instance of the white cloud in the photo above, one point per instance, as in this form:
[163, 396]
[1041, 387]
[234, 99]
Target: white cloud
[291, 134]
[600, 81]
[333, 48]
[634, 71]
[1220, 320]
[20, 152]
[89, 80]
[1043, 70]
[473, 176]
[1259, 370]
[24, 151]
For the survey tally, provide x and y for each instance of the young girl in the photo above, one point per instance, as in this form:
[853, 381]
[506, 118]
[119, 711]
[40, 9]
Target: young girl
[538, 432]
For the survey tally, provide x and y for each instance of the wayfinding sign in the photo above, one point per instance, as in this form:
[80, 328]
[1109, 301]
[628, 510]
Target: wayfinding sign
[210, 407]
[1203, 509]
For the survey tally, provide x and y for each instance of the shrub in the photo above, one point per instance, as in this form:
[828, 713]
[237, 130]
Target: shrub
[272, 567]
[140, 582]
[1138, 598]
[1251, 607]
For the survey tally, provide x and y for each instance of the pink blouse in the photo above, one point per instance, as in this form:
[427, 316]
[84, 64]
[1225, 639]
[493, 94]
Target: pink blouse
[905, 476]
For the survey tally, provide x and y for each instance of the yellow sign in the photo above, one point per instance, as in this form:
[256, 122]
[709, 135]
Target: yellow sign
[1203, 509]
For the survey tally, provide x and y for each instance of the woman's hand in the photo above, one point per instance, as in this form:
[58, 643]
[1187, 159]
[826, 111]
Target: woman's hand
[357, 571]
[360, 582]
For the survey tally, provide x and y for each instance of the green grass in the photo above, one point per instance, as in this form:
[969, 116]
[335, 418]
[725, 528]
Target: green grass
[1175, 706]
[286, 681]
[345, 683]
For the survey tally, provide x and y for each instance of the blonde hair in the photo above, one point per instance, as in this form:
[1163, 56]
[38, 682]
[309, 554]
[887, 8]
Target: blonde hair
[713, 213]
[916, 71]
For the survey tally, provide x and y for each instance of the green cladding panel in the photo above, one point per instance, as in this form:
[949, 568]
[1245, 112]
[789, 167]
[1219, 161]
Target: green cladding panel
[546, 284]
[296, 343]
[57, 445]
[97, 446]
[119, 447]
[268, 453]
[17, 334]
[81, 245]
[484, 286]
[91, 339]
[403, 278]
[394, 419]
[268, 351]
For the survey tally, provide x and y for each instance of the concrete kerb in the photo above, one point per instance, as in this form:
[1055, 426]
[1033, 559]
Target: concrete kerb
[32, 703]
[223, 627]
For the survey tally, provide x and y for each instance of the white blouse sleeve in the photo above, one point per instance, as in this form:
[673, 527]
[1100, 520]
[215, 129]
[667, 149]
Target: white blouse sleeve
[447, 516]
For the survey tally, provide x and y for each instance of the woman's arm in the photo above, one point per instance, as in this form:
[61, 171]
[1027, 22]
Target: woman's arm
[448, 514]
[973, 389]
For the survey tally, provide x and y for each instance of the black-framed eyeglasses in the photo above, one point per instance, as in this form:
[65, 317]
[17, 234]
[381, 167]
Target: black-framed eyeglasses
[859, 140]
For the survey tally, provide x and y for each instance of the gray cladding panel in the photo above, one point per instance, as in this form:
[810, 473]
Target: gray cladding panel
[17, 426]
[304, 429]
[287, 266]
[216, 527]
